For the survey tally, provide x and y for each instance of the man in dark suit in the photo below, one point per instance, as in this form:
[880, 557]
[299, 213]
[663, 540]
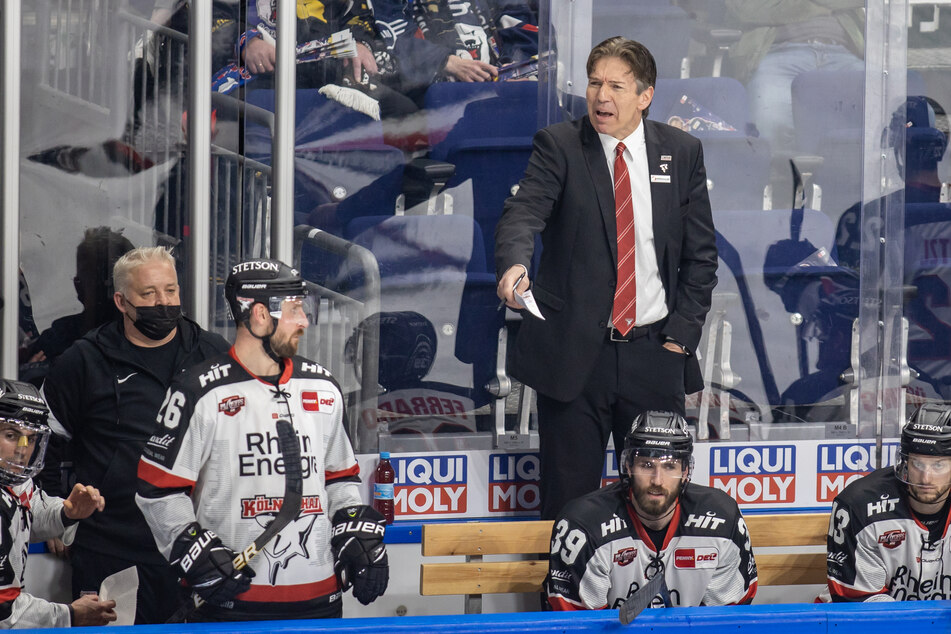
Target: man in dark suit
[617, 340]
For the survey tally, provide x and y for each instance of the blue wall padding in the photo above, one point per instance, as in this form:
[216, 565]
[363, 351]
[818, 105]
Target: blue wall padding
[922, 617]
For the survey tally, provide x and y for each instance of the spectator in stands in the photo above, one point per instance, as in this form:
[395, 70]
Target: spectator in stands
[607, 544]
[95, 257]
[211, 475]
[103, 393]
[29, 514]
[466, 42]
[785, 38]
[368, 76]
[888, 531]
[616, 340]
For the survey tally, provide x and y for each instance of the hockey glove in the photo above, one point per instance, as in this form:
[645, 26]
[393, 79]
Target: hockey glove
[359, 552]
[206, 565]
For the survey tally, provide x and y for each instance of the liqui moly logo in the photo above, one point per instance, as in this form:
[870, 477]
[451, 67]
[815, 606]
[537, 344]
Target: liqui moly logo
[838, 465]
[513, 482]
[609, 473]
[430, 485]
[755, 475]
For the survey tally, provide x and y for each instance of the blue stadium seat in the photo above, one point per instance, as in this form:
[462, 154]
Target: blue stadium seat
[737, 164]
[489, 142]
[338, 152]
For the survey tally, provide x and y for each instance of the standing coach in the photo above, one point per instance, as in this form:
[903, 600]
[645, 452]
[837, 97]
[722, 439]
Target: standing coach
[625, 277]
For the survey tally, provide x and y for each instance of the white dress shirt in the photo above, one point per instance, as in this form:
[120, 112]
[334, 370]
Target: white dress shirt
[651, 298]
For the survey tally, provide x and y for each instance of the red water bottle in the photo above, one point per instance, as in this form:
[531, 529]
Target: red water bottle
[383, 479]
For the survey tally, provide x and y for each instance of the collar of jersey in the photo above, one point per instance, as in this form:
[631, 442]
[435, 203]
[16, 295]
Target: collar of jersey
[285, 375]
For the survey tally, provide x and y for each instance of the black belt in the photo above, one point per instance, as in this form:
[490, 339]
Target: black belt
[635, 333]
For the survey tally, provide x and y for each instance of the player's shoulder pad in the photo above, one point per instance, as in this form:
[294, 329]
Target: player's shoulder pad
[305, 368]
[880, 495]
[213, 372]
[600, 514]
[707, 511]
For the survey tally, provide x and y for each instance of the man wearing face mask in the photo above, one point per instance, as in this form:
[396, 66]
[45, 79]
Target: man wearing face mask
[103, 393]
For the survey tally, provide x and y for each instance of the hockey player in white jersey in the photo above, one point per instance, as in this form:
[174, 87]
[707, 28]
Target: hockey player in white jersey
[212, 476]
[29, 515]
[607, 544]
[888, 531]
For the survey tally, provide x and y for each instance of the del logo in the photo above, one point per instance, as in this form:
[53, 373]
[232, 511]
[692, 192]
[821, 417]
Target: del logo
[625, 556]
[231, 405]
[263, 505]
[430, 485]
[513, 482]
[319, 401]
[892, 539]
[609, 474]
[695, 558]
[755, 475]
[837, 465]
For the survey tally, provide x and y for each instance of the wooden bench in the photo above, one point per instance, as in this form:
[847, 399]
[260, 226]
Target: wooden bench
[475, 576]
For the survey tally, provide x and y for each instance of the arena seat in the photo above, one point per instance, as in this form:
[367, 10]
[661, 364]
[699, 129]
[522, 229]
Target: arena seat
[737, 164]
[489, 142]
[338, 152]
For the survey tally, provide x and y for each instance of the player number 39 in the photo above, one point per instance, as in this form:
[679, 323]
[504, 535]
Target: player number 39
[569, 546]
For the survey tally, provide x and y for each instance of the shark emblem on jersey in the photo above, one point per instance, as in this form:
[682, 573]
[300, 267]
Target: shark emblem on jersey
[289, 543]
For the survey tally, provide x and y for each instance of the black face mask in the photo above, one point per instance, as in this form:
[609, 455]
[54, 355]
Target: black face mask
[156, 322]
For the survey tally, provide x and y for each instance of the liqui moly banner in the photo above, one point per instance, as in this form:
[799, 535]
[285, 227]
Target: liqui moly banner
[764, 475]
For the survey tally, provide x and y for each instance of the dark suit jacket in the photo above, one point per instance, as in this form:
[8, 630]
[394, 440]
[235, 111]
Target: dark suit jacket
[567, 195]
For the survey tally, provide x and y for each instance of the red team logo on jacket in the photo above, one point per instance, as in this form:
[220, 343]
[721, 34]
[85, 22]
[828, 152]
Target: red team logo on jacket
[892, 539]
[231, 405]
[625, 556]
[319, 401]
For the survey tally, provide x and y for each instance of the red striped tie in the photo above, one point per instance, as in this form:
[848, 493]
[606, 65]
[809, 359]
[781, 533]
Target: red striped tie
[625, 296]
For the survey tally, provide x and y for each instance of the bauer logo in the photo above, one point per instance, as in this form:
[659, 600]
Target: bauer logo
[609, 473]
[513, 482]
[755, 475]
[430, 485]
[838, 465]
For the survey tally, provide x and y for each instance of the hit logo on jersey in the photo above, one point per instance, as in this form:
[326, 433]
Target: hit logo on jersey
[755, 475]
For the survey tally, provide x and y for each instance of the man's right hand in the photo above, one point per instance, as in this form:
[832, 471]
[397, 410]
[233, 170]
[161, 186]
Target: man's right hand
[259, 56]
[507, 283]
[207, 565]
[89, 610]
[470, 69]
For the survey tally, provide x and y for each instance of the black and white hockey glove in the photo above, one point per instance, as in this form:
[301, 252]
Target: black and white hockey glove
[359, 552]
[206, 565]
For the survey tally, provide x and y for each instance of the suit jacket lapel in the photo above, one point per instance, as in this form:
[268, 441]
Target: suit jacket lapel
[601, 177]
[661, 193]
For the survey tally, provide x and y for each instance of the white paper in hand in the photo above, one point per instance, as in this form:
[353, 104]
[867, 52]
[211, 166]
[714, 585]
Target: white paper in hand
[527, 301]
[122, 588]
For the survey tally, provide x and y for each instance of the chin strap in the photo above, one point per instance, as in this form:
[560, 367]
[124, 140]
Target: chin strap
[266, 343]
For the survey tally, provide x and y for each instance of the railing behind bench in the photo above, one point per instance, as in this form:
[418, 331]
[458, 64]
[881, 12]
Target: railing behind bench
[475, 576]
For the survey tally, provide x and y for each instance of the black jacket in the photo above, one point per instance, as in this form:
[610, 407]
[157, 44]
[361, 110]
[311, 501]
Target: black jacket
[101, 393]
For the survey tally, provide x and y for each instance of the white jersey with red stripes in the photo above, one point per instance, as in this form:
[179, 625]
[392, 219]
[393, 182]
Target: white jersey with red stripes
[27, 514]
[879, 549]
[216, 460]
[601, 553]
